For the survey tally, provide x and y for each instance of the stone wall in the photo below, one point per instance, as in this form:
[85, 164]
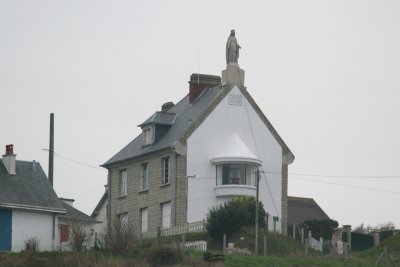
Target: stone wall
[156, 194]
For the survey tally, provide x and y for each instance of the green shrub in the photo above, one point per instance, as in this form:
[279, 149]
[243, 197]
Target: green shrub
[164, 256]
[321, 228]
[230, 217]
[213, 256]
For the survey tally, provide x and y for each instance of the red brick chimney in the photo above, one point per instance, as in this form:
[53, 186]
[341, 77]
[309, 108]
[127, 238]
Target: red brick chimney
[9, 159]
[199, 82]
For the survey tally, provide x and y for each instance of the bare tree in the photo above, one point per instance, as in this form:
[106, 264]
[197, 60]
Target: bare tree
[119, 236]
[78, 236]
[32, 244]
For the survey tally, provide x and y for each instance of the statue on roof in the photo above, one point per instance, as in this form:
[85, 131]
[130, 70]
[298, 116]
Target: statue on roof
[232, 49]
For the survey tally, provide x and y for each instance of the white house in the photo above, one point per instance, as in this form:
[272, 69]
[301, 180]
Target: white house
[100, 215]
[199, 153]
[29, 207]
[75, 218]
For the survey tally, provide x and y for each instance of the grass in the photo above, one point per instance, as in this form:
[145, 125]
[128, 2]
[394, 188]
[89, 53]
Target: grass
[276, 261]
[277, 244]
[282, 252]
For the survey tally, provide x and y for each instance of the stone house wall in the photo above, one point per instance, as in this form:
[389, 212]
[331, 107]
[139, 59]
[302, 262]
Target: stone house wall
[156, 194]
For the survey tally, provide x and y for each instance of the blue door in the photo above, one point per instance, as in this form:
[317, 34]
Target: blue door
[5, 230]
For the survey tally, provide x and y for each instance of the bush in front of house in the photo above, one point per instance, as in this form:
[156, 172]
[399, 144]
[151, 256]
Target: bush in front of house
[164, 256]
[230, 217]
[321, 228]
[32, 244]
[119, 237]
[78, 236]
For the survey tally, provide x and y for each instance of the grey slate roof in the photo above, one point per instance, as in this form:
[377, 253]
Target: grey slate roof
[28, 189]
[162, 118]
[186, 114]
[187, 117]
[302, 209]
[74, 214]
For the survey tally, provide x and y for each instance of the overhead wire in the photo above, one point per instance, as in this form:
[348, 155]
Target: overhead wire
[343, 176]
[79, 179]
[258, 155]
[347, 185]
[76, 161]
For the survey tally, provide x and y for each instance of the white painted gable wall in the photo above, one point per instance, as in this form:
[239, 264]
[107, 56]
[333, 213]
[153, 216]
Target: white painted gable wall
[204, 144]
[28, 224]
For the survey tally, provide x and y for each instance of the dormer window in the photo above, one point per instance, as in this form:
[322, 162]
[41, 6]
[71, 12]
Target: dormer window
[147, 136]
[154, 128]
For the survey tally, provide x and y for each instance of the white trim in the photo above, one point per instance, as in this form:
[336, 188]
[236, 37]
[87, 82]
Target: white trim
[235, 190]
[35, 208]
[220, 160]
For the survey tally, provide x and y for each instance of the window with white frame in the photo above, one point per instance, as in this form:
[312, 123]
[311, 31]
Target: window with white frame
[144, 172]
[123, 219]
[166, 215]
[165, 170]
[143, 219]
[147, 136]
[123, 182]
[236, 173]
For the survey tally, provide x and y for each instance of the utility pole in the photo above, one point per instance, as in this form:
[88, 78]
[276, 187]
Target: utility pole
[51, 149]
[256, 228]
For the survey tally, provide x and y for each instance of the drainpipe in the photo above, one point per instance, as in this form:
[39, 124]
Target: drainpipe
[54, 231]
[176, 186]
[108, 216]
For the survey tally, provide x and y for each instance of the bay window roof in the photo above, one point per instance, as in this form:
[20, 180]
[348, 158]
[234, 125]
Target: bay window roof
[235, 150]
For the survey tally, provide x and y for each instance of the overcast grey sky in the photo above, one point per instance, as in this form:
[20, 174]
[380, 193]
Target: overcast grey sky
[325, 73]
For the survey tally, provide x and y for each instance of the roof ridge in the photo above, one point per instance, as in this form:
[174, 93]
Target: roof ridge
[27, 161]
[301, 197]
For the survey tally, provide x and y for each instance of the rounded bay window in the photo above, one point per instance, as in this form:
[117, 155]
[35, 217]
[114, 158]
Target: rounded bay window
[235, 176]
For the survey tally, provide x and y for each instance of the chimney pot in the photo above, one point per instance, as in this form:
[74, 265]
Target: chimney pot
[9, 160]
[167, 105]
[9, 150]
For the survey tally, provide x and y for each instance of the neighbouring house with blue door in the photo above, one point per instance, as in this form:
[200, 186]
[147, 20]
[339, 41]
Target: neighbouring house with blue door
[29, 206]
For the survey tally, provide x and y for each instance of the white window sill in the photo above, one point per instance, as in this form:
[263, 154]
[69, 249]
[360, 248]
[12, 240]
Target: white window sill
[165, 185]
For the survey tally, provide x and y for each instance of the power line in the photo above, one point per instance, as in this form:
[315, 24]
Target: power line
[347, 185]
[79, 179]
[270, 193]
[343, 176]
[75, 161]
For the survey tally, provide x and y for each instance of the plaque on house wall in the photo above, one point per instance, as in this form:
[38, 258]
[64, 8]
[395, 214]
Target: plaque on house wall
[235, 100]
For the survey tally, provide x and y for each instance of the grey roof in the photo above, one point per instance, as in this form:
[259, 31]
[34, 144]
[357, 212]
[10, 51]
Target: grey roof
[302, 209]
[187, 117]
[186, 114]
[164, 118]
[74, 214]
[28, 189]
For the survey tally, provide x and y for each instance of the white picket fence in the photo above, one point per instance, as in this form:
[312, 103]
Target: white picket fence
[339, 247]
[316, 244]
[196, 245]
[188, 228]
